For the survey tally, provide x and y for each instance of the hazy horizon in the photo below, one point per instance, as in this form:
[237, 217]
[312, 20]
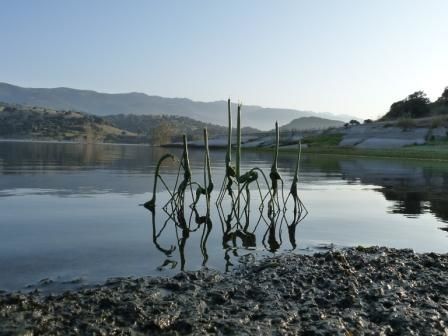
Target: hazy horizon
[344, 58]
[194, 100]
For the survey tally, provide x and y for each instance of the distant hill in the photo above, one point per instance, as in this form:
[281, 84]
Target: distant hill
[311, 123]
[173, 126]
[40, 123]
[103, 104]
[21, 122]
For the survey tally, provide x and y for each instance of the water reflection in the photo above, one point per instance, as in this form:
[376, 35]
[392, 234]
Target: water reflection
[238, 238]
[414, 188]
[81, 219]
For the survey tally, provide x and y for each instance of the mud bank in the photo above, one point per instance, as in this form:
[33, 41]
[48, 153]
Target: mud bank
[358, 291]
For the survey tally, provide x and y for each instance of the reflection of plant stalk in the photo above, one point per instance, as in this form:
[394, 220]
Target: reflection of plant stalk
[156, 235]
[271, 232]
[205, 233]
[182, 223]
[182, 243]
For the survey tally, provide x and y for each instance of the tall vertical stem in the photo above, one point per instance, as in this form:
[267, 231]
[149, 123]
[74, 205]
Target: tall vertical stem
[296, 170]
[208, 183]
[186, 159]
[238, 155]
[229, 135]
[277, 145]
[238, 141]
[274, 175]
[185, 163]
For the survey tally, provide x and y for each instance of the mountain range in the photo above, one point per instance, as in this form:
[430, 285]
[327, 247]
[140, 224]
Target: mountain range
[103, 104]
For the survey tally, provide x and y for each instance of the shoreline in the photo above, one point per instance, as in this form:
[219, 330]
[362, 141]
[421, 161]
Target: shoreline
[357, 291]
[424, 152]
[75, 142]
[406, 153]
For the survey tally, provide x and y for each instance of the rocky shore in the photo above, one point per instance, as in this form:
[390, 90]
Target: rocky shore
[357, 291]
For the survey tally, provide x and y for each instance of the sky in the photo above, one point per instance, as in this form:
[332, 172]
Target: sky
[346, 57]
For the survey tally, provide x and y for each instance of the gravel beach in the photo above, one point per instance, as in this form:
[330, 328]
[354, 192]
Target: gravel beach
[356, 291]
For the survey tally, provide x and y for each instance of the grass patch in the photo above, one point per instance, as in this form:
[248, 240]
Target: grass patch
[424, 152]
[323, 140]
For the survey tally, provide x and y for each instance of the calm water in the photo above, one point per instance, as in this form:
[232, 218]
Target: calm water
[70, 213]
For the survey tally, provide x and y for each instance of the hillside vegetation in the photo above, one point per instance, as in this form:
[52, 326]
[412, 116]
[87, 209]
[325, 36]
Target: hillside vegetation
[418, 105]
[165, 129]
[23, 122]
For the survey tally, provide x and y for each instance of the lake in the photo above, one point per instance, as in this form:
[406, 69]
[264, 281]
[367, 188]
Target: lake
[70, 214]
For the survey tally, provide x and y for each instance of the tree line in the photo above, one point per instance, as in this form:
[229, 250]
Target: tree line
[418, 105]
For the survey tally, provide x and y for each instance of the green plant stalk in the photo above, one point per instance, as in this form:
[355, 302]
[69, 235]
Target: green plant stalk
[238, 154]
[186, 159]
[187, 174]
[238, 141]
[229, 136]
[274, 175]
[229, 170]
[249, 177]
[299, 207]
[208, 185]
[274, 167]
[150, 205]
[295, 181]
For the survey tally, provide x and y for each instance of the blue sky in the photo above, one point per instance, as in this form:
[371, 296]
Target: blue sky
[354, 57]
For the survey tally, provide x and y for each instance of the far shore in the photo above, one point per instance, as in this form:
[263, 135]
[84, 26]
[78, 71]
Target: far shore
[421, 152]
[432, 152]
[76, 142]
